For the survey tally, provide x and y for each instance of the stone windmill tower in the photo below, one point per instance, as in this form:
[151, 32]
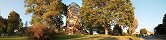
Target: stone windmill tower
[73, 18]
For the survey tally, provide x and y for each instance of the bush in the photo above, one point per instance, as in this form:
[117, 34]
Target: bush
[143, 31]
[40, 32]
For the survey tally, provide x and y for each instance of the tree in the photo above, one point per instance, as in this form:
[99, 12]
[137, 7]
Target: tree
[64, 9]
[20, 25]
[164, 24]
[134, 26]
[100, 30]
[117, 30]
[4, 29]
[91, 11]
[13, 22]
[45, 11]
[103, 12]
[143, 31]
[164, 21]
[159, 30]
[3, 25]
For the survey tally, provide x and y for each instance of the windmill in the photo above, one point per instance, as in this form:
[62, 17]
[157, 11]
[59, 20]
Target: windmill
[73, 19]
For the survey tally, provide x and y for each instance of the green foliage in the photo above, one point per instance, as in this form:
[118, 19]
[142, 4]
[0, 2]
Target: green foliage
[46, 18]
[43, 10]
[64, 9]
[117, 30]
[48, 12]
[164, 24]
[134, 26]
[14, 22]
[104, 12]
[160, 30]
[3, 25]
[100, 30]
[164, 21]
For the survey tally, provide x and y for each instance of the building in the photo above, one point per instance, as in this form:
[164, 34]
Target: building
[73, 19]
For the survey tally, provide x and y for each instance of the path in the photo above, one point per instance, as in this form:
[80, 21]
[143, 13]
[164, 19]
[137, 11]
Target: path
[152, 38]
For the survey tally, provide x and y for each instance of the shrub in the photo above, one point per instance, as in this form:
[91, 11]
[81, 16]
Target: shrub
[143, 31]
[40, 32]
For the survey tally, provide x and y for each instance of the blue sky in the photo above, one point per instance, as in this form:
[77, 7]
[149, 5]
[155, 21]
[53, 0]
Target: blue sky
[148, 12]
[14, 5]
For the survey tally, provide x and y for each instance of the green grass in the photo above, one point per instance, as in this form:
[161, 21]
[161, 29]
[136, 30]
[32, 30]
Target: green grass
[65, 37]
[78, 37]
[95, 37]
[13, 38]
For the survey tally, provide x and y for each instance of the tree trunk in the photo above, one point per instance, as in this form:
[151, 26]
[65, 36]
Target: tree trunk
[106, 30]
[105, 27]
[129, 31]
[59, 29]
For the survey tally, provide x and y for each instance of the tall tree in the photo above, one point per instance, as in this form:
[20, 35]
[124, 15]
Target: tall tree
[64, 9]
[43, 10]
[103, 12]
[161, 27]
[164, 24]
[164, 20]
[13, 22]
[159, 30]
[48, 12]
[91, 11]
[2, 24]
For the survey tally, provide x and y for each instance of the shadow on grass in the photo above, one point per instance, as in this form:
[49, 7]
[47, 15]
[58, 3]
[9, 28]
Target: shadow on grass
[13, 38]
[154, 37]
[108, 38]
[66, 37]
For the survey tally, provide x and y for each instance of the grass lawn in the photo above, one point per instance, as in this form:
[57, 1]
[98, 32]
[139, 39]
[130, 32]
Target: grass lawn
[64, 37]
[121, 38]
[95, 37]
[78, 37]
[13, 38]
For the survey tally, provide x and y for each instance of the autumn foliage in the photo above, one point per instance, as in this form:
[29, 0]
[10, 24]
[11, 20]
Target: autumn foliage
[39, 31]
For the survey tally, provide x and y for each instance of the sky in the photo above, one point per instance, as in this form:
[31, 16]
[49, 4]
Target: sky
[149, 13]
